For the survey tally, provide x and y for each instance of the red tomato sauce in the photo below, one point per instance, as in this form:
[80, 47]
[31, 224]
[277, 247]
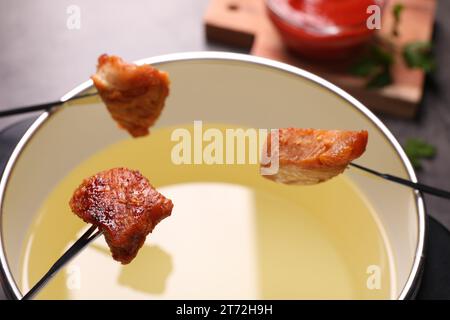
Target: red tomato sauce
[322, 28]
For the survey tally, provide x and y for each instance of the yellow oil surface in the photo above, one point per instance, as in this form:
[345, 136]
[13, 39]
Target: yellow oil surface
[232, 234]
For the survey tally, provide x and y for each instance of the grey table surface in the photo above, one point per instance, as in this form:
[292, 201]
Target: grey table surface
[41, 59]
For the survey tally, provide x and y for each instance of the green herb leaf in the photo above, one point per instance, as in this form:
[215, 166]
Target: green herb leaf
[396, 12]
[382, 56]
[380, 79]
[364, 67]
[375, 66]
[416, 163]
[417, 149]
[419, 55]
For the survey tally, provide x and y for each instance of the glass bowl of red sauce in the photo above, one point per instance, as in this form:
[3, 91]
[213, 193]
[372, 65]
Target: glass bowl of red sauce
[323, 29]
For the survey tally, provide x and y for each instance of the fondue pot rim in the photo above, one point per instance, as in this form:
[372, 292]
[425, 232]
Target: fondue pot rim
[408, 291]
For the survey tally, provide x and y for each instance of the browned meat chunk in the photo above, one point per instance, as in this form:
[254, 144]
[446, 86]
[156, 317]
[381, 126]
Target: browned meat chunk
[124, 205]
[134, 95]
[310, 156]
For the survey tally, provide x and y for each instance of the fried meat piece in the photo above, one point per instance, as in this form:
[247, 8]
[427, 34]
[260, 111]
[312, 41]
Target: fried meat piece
[124, 205]
[310, 156]
[134, 95]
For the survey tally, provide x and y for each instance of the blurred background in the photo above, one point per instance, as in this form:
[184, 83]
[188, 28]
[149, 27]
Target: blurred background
[43, 55]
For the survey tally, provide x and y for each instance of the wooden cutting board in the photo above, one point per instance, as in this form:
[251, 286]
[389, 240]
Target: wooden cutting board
[245, 24]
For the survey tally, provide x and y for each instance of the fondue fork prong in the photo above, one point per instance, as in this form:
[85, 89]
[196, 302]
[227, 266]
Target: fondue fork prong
[41, 107]
[415, 185]
[89, 236]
